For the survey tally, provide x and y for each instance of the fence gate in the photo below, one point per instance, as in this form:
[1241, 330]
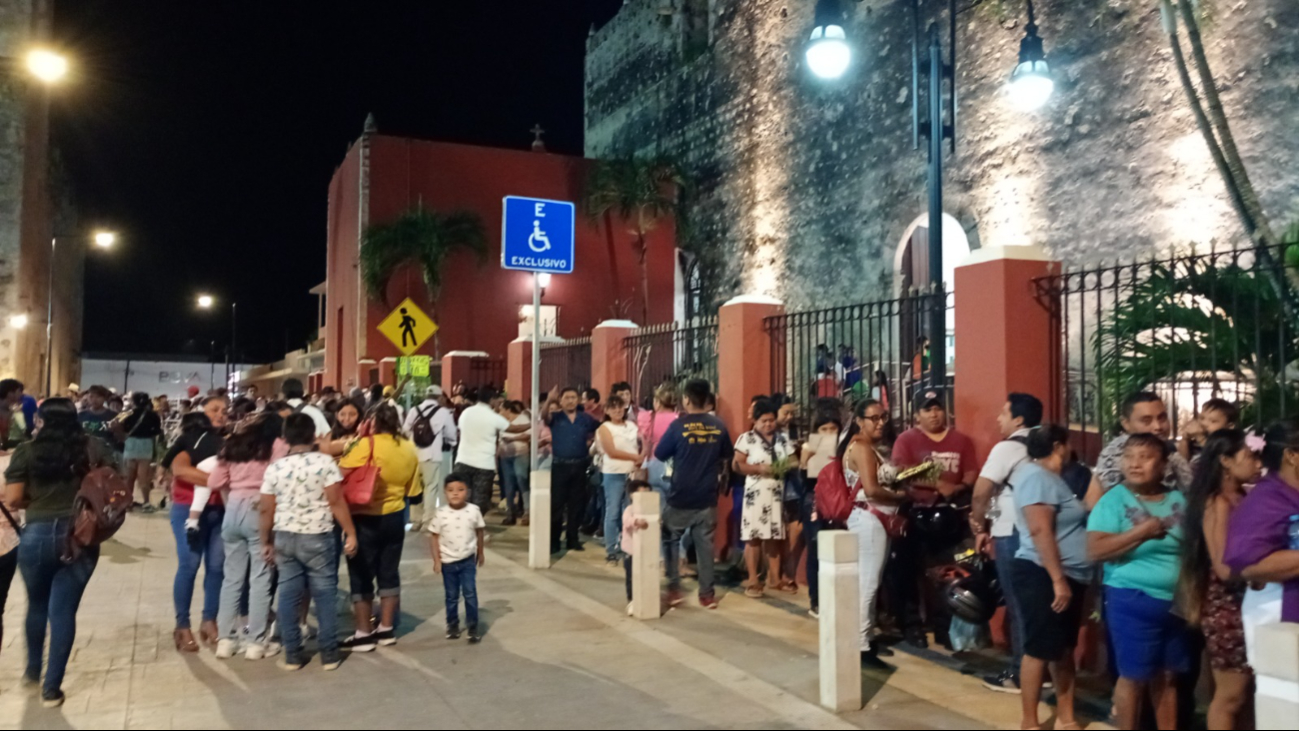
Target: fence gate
[674, 354]
[566, 364]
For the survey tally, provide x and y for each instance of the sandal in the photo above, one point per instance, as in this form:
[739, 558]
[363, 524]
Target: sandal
[1068, 726]
[754, 592]
[184, 639]
[788, 586]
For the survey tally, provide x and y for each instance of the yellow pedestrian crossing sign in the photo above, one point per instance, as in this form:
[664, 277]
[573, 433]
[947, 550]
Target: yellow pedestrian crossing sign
[408, 327]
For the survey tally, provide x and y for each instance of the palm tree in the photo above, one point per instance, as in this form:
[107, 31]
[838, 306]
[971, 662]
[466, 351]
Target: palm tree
[423, 237]
[642, 192]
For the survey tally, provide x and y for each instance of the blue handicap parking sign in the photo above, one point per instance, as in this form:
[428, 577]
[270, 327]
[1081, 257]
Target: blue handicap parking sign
[537, 235]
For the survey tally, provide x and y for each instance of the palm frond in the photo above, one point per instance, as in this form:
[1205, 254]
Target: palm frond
[418, 236]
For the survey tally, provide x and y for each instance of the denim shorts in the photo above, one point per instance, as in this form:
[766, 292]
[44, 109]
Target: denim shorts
[140, 448]
[1147, 638]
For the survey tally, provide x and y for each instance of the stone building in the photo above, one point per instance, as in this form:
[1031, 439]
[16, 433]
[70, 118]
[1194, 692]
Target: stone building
[31, 198]
[811, 191]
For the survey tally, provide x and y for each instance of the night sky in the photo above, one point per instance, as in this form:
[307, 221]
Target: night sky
[206, 134]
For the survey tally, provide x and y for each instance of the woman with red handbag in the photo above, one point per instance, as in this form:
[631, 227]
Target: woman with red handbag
[382, 466]
[874, 517]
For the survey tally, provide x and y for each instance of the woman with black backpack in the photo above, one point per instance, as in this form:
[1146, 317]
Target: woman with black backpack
[43, 478]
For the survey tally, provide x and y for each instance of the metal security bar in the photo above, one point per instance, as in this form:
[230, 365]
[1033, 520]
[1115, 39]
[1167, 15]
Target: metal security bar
[487, 372]
[566, 364]
[673, 353]
[872, 350]
[1220, 324]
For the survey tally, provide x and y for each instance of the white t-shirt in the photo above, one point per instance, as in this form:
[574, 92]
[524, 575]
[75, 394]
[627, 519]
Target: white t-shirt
[480, 428]
[318, 416]
[457, 531]
[441, 420]
[1003, 460]
[298, 483]
[626, 438]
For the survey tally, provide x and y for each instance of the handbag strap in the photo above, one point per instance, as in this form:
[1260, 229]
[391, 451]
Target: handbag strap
[369, 460]
[10, 517]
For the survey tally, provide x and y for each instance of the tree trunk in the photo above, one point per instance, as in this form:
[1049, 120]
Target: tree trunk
[642, 251]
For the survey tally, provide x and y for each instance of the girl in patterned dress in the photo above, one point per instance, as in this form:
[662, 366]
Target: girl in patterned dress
[762, 527]
[1211, 598]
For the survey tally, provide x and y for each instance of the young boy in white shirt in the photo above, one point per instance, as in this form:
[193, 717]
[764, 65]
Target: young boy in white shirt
[456, 540]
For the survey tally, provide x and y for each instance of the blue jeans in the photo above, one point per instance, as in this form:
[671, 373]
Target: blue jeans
[1006, 548]
[615, 496]
[54, 591]
[241, 533]
[461, 578]
[306, 564]
[514, 483]
[210, 552]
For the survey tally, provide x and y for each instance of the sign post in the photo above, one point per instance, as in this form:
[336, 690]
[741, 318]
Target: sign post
[537, 236]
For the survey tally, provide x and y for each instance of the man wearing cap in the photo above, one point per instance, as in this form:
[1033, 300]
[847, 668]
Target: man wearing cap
[931, 440]
[443, 423]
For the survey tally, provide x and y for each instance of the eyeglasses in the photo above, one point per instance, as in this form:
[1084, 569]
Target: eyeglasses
[877, 418]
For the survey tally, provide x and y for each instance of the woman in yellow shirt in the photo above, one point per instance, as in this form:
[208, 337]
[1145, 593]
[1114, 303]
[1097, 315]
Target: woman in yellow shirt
[380, 527]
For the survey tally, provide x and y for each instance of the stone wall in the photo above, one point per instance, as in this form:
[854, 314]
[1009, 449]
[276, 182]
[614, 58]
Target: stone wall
[804, 190]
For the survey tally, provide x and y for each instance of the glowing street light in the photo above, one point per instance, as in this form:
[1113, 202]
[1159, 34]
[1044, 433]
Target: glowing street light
[105, 239]
[1031, 83]
[543, 279]
[46, 65]
[18, 321]
[205, 301]
[828, 53]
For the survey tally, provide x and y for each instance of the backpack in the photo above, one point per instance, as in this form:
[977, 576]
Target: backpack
[421, 432]
[98, 511]
[833, 500]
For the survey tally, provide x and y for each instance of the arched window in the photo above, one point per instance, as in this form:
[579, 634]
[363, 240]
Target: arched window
[694, 290]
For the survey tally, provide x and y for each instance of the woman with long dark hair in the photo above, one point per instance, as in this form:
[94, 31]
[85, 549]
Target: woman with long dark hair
[347, 421]
[871, 479]
[198, 541]
[240, 468]
[1211, 599]
[43, 478]
[142, 426]
[822, 445]
[380, 527]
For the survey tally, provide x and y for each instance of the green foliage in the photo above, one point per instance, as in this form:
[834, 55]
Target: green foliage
[1192, 322]
[641, 191]
[419, 236]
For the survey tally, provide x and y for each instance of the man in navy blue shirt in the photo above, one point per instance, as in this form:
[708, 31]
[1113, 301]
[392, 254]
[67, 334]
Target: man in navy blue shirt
[571, 433]
[699, 446]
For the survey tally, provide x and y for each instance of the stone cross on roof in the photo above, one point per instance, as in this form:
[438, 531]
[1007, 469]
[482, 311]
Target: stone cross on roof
[538, 145]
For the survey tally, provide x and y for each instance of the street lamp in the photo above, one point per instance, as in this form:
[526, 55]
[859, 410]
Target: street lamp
[46, 65]
[99, 237]
[205, 301]
[828, 53]
[1031, 83]
[19, 321]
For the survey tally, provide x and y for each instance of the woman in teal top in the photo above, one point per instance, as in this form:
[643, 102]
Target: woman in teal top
[1136, 531]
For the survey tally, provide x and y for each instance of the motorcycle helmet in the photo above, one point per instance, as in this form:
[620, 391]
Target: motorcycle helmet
[970, 599]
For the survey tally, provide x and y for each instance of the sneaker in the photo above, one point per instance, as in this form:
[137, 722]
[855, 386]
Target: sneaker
[289, 665]
[510, 520]
[330, 665]
[613, 562]
[308, 632]
[359, 643]
[226, 649]
[708, 602]
[1005, 682]
[52, 698]
[814, 613]
[385, 637]
[474, 636]
[576, 547]
[259, 651]
[917, 640]
[630, 611]
[525, 521]
[870, 659]
[675, 597]
[148, 509]
[453, 632]
[31, 681]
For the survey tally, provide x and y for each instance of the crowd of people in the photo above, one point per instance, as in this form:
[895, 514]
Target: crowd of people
[1182, 546]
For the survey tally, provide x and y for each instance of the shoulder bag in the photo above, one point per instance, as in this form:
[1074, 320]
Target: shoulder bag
[358, 485]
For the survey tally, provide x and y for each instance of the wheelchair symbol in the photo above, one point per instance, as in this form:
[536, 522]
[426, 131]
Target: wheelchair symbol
[538, 241]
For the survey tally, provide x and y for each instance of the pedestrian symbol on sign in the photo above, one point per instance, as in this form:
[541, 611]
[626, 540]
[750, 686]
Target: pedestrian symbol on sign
[408, 327]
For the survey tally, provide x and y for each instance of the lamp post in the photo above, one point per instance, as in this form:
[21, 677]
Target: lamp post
[102, 240]
[206, 302]
[829, 55]
[43, 64]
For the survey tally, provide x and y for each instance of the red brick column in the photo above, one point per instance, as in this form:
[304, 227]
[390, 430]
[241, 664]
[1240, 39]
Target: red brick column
[744, 369]
[1006, 339]
[388, 371]
[457, 368]
[608, 357]
[518, 370]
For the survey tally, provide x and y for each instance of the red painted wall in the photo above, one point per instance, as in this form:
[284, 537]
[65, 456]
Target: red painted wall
[478, 307]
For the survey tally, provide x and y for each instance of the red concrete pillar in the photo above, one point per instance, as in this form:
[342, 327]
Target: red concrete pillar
[518, 370]
[457, 368]
[364, 370]
[388, 371]
[1006, 339]
[608, 357]
[743, 357]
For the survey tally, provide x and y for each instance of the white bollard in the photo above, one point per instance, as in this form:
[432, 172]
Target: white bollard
[840, 608]
[539, 514]
[647, 543]
[1276, 671]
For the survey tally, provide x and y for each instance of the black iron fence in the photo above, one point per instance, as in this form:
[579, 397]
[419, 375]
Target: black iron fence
[872, 350]
[1220, 324]
[672, 353]
[487, 372]
[566, 364]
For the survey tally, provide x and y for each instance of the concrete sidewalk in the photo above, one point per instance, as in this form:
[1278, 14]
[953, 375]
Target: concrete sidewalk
[559, 653]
